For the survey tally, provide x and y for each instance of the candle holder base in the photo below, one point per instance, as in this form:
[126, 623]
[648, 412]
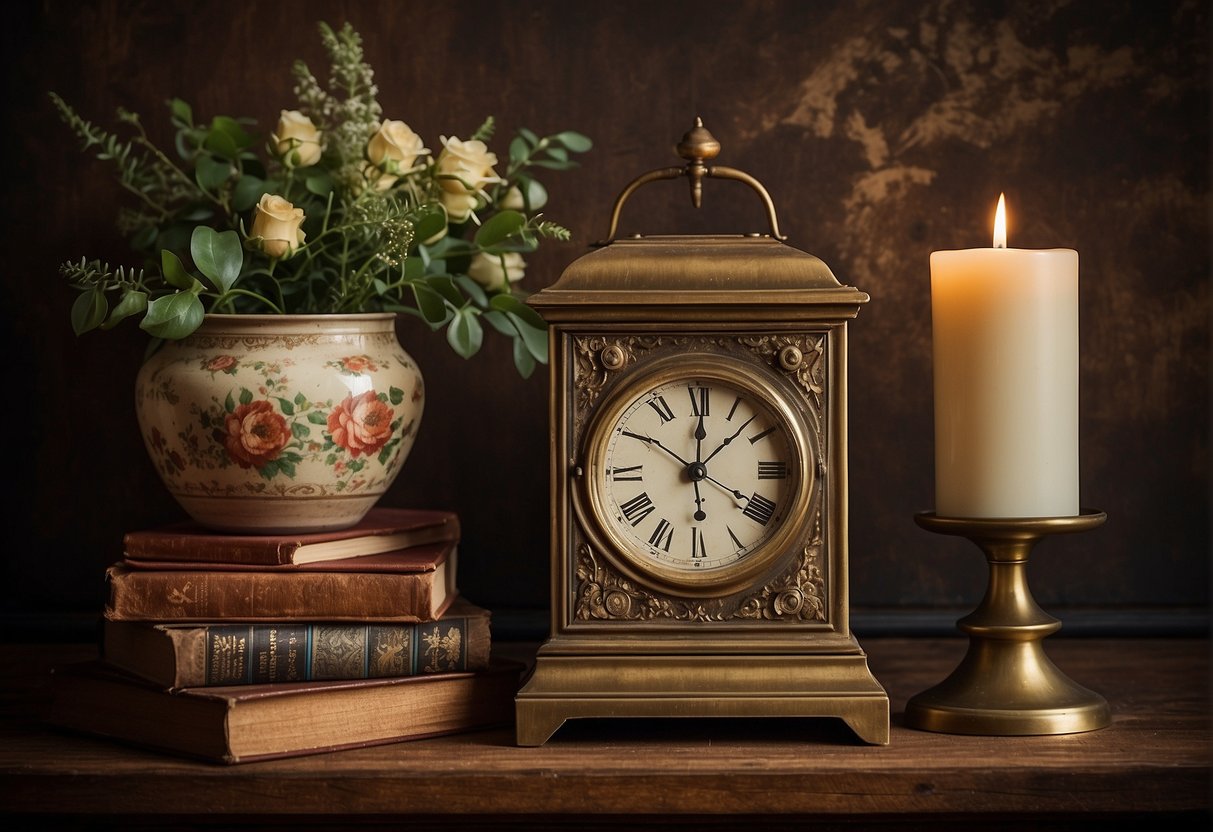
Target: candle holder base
[1006, 685]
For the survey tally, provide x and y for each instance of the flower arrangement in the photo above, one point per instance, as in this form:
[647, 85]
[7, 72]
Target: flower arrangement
[346, 212]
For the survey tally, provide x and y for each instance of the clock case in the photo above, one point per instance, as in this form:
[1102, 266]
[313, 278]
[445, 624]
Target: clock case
[626, 643]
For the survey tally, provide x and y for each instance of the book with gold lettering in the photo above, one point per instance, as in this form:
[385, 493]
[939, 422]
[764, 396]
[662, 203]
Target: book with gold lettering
[230, 653]
[243, 723]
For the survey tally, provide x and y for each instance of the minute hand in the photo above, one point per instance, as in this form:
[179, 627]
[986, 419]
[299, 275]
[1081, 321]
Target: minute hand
[656, 442]
[725, 443]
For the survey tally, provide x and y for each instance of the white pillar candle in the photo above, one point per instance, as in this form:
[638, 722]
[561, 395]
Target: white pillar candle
[1005, 330]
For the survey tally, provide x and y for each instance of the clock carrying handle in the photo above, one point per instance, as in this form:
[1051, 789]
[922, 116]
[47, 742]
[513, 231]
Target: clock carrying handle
[696, 146]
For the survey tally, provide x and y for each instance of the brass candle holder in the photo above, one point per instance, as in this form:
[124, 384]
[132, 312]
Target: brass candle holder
[1006, 685]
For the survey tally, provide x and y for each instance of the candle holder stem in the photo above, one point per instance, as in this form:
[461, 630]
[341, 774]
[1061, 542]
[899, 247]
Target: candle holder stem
[1006, 685]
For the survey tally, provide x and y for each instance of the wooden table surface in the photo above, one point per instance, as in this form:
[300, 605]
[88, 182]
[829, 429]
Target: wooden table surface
[1152, 762]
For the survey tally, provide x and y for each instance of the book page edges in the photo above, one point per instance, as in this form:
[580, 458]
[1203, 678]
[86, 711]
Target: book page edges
[214, 724]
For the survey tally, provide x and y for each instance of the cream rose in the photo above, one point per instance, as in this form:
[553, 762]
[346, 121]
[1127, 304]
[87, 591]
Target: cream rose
[497, 271]
[458, 206]
[297, 140]
[470, 161]
[378, 180]
[395, 148]
[513, 201]
[277, 222]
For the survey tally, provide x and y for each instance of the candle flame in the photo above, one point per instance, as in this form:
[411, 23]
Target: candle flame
[1000, 223]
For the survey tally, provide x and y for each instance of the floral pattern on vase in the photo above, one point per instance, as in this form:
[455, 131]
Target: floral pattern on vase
[281, 423]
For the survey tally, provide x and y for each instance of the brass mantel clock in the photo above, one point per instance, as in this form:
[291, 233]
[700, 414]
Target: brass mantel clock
[699, 481]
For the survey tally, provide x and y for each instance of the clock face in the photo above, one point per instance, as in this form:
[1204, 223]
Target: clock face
[697, 473]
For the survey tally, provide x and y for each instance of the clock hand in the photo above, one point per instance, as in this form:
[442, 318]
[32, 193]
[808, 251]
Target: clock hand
[656, 442]
[736, 494]
[696, 470]
[726, 442]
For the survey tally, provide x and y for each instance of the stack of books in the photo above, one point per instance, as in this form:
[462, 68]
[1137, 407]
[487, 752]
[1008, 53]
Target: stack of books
[234, 648]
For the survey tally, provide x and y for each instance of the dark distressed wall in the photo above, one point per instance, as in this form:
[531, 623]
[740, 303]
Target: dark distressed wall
[883, 130]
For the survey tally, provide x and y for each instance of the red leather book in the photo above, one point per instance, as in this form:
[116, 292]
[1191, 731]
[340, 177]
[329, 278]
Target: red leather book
[411, 585]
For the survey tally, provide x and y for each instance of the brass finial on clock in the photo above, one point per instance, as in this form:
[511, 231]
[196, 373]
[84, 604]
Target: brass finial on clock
[698, 145]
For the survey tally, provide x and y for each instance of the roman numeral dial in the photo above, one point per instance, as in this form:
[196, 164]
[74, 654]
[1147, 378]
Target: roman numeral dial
[697, 473]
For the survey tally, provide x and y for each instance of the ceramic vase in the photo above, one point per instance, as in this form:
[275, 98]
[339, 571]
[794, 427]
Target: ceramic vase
[279, 424]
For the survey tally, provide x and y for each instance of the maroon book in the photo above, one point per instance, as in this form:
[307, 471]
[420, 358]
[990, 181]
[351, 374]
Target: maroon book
[410, 585]
[381, 530]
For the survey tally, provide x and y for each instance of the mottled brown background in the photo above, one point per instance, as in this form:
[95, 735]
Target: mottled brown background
[883, 130]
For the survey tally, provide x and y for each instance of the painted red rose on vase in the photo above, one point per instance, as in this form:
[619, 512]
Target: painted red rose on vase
[255, 434]
[358, 364]
[361, 424]
[221, 364]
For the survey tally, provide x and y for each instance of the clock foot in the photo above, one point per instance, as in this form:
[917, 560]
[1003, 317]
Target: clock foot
[564, 687]
[535, 723]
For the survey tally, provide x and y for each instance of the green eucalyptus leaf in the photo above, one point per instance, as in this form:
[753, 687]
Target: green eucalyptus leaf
[226, 137]
[414, 267]
[519, 150]
[199, 213]
[554, 164]
[174, 272]
[446, 288]
[247, 192]
[498, 321]
[524, 362]
[210, 172]
[523, 242]
[535, 195]
[431, 305]
[449, 247]
[558, 153]
[319, 183]
[472, 289]
[574, 141]
[181, 112]
[88, 311]
[464, 333]
[428, 223]
[528, 135]
[173, 316]
[512, 305]
[133, 302]
[499, 227]
[221, 144]
[536, 340]
[218, 255]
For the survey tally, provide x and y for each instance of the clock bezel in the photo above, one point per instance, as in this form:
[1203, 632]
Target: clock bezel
[591, 503]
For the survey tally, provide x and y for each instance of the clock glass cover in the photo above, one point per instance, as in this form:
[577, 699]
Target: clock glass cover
[698, 472]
